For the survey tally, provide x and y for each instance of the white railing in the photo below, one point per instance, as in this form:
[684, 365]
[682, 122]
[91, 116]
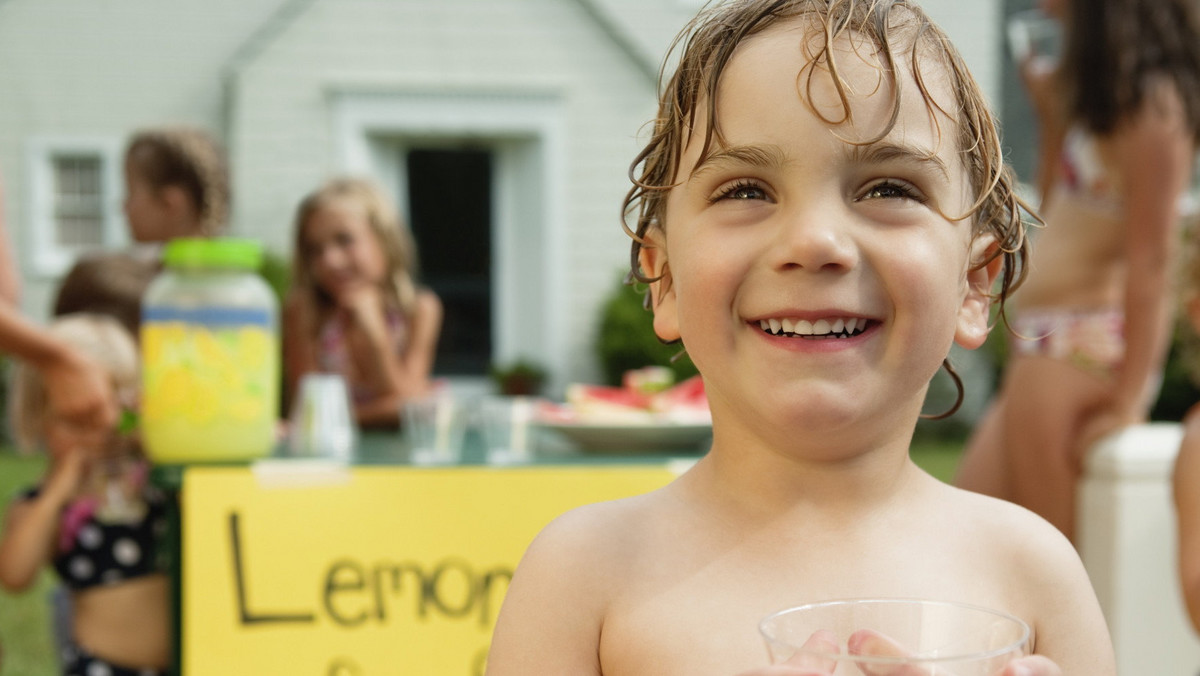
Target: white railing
[1127, 541]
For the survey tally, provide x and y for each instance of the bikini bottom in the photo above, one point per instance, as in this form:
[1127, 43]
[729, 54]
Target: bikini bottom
[1091, 340]
[79, 662]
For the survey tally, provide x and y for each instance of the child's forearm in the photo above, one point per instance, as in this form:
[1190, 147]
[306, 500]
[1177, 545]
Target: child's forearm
[28, 541]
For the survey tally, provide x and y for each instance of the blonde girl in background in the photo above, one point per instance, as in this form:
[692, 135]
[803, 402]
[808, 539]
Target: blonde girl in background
[94, 517]
[355, 308]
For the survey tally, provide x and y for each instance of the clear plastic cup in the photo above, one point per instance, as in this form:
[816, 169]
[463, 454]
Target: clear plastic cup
[435, 428]
[322, 425]
[896, 637]
[508, 429]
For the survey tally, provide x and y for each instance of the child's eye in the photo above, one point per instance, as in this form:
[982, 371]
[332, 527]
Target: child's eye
[741, 190]
[892, 189]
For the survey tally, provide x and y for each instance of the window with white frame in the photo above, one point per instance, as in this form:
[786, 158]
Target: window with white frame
[78, 195]
[74, 193]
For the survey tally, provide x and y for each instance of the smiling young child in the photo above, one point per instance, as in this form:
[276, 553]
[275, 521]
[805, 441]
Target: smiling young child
[821, 213]
[355, 308]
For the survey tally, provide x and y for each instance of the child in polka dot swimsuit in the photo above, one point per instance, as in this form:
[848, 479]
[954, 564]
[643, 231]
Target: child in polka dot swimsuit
[94, 518]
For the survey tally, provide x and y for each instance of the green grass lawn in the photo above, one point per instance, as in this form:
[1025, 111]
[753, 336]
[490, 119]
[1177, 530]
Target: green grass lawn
[24, 618]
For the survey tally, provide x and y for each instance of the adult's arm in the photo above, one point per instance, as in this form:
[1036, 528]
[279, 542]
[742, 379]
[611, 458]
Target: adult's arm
[78, 389]
[10, 282]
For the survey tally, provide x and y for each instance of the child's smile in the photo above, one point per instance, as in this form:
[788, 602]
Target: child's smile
[810, 262]
[821, 329]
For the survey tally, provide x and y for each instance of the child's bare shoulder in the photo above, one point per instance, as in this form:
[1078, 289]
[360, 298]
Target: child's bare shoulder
[1042, 579]
[1008, 527]
[1036, 564]
[601, 532]
[578, 562]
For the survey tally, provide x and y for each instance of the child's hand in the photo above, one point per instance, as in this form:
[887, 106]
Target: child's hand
[1101, 423]
[80, 393]
[875, 644]
[1033, 665]
[804, 664]
[67, 474]
[363, 304]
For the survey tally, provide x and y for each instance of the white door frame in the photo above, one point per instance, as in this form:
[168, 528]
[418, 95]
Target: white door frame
[526, 134]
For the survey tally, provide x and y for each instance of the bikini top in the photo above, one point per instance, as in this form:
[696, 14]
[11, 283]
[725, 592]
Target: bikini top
[1087, 178]
[110, 543]
[333, 355]
[1084, 174]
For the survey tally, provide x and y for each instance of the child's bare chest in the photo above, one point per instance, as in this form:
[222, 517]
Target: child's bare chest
[710, 589]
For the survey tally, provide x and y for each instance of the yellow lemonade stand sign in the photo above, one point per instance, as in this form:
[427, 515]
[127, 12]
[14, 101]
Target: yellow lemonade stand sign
[367, 571]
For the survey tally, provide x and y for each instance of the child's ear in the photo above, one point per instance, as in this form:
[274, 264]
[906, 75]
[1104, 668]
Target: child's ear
[653, 260]
[178, 203]
[975, 313]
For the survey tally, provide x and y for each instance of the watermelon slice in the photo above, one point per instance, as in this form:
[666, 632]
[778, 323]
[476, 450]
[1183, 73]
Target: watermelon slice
[609, 405]
[685, 402]
[648, 380]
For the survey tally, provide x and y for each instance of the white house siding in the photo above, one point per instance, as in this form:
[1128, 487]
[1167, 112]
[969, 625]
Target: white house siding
[976, 29]
[100, 69]
[103, 68]
[284, 142]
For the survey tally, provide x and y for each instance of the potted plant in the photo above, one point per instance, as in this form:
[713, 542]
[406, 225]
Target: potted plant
[520, 377]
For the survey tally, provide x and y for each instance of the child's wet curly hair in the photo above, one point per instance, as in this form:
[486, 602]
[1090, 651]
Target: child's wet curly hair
[893, 27]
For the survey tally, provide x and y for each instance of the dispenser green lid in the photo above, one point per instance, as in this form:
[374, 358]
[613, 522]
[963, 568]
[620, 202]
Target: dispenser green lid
[224, 252]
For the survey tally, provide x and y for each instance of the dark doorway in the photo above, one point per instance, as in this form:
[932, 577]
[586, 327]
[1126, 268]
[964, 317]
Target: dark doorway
[450, 209]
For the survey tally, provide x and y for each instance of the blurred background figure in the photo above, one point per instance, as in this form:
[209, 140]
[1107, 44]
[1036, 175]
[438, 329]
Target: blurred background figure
[94, 517]
[176, 185]
[10, 281]
[1120, 118]
[77, 389]
[355, 308]
[1186, 476]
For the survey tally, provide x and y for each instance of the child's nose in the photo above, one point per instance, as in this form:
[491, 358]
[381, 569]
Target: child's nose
[814, 238]
[329, 258]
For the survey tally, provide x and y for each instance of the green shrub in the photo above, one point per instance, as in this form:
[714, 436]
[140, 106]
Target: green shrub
[626, 338]
[1179, 390]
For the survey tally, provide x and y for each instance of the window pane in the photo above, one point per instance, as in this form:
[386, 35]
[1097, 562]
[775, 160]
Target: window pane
[78, 201]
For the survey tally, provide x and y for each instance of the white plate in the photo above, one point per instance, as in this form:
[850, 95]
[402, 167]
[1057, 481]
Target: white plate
[634, 438]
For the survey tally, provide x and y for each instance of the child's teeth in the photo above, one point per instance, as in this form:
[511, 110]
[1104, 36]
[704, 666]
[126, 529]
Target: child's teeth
[839, 326]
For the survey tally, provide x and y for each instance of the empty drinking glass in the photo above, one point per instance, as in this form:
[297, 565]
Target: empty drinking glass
[321, 423]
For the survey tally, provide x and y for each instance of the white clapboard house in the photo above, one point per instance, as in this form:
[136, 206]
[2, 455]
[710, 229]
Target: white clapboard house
[504, 128]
